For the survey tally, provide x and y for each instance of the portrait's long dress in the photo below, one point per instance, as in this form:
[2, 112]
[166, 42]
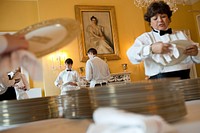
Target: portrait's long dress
[96, 40]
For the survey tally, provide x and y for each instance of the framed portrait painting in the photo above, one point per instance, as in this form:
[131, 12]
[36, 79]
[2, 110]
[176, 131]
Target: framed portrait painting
[98, 30]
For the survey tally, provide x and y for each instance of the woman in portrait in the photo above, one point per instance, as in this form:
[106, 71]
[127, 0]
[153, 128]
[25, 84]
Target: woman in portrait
[97, 38]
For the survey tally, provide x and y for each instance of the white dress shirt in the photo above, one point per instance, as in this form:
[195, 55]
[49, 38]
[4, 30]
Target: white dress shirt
[140, 51]
[67, 76]
[97, 71]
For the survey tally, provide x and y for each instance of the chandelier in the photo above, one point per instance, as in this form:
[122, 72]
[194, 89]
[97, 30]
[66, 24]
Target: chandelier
[172, 3]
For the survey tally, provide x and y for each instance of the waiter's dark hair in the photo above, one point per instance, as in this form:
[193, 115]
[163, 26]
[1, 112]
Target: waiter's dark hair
[92, 50]
[157, 7]
[69, 61]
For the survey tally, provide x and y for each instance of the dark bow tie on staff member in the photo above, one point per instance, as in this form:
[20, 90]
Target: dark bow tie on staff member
[163, 32]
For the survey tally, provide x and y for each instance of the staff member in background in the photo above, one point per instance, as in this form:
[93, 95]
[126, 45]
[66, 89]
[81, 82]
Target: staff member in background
[157, 42]
[8, 44]
[22, 86]
[97, 70]
[68, 79]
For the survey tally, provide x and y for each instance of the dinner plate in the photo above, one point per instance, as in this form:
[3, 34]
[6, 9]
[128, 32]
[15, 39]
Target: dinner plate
[50, 35]
[181, 46]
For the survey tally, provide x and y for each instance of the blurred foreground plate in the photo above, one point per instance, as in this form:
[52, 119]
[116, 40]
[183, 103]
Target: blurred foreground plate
[50, 35]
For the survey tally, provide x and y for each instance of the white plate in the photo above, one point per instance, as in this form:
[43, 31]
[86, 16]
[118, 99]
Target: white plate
[181, 46]
[50, 35]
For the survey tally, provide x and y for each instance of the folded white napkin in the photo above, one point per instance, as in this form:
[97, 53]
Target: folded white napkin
[165, 59]
[24, 59]
[111, 120]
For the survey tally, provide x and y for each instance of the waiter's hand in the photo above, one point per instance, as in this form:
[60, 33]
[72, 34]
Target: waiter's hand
[6, 81]
[15, 43]
[72, 83]
[191, 50]
[161, 48]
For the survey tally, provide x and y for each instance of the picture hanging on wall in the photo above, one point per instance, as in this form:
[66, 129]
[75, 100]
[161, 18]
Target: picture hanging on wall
[99, 31]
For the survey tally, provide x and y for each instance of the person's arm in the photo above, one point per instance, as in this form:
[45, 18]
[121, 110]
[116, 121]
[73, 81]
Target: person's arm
[11, 43]
[144, 48]
[88, 71]
[27, 86]
[2, 88]
[23, 83]
[5, 82]
[140, 50]
[194, 52]
[77, 79]
[58, 81]
[108, 72]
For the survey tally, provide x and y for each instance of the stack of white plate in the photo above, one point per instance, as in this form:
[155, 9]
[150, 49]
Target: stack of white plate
[150, 97]
[75, 104]
[160, 97]
[21, 111]
[190, 87]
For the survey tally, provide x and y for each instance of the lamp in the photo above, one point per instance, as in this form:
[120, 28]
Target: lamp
[58, 60]
[172, 3]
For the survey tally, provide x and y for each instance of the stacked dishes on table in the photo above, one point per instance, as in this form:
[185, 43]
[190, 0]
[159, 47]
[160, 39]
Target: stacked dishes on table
[161, 97]
[21, 111]
[190, 87]
[150, 97]
[75, 104]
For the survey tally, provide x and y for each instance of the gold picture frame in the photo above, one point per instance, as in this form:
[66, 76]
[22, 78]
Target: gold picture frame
[91, 33]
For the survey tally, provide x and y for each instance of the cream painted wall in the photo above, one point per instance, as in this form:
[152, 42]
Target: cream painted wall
[183, 19]
[130, 24]
[15, 15]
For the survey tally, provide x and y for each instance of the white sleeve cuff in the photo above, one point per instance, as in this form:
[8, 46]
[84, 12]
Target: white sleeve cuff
[3, 44]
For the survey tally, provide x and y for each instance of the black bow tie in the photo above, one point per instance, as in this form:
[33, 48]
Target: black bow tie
[69, 70]
[163, 32]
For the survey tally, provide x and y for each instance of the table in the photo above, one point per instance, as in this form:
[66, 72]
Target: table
[189, 124]
[116, 78]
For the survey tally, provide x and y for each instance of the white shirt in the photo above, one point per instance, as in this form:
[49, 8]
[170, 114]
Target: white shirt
[140, 51]
[67, 76]
[97, 71]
